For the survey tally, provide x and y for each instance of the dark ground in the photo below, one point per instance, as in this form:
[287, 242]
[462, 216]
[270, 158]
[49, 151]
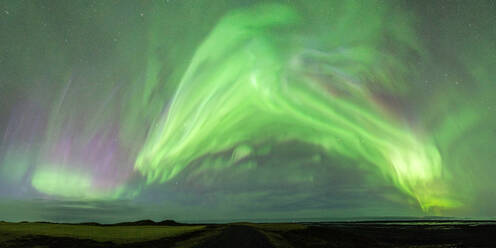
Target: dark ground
[363, 234]
[238, 236]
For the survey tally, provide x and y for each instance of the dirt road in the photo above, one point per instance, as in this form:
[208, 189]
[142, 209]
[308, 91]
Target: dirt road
[237, 236]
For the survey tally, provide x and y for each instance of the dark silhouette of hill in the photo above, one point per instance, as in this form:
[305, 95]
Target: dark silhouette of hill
[150, 223]
[133, 223]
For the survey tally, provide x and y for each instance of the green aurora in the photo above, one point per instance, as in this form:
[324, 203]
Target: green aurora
[188, 99]
[246, 85]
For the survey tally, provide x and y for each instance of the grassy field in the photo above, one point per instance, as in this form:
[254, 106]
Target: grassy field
[280, 235]
[116, 234]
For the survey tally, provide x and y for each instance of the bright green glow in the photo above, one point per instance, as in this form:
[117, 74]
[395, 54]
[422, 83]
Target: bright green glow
[70, 183]
[62, 183]
[373, 104]
[248, 84]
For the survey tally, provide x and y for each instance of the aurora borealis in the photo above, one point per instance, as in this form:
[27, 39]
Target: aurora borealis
[225, 110]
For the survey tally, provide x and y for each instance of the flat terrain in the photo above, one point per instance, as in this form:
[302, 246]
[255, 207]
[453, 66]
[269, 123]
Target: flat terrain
[115, 234]
[335, 234]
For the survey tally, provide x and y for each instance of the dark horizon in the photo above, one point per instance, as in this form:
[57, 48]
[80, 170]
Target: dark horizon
[372, 219]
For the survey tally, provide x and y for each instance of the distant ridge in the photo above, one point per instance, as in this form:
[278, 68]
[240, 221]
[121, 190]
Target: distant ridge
[149, 223]
[134, 223]
[389, 219]
[138, 223]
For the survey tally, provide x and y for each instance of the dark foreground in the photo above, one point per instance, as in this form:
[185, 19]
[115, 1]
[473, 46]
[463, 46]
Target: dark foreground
[351, 234]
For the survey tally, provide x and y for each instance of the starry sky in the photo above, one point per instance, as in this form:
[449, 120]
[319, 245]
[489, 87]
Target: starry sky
[246, 110]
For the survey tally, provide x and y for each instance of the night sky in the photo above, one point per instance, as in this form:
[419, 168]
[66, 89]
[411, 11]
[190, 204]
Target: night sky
[246, 110]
